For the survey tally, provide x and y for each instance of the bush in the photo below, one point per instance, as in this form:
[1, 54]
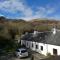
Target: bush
[49, 54]
[7, 44]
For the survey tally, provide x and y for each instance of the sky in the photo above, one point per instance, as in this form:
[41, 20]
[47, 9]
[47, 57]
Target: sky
[30, 9]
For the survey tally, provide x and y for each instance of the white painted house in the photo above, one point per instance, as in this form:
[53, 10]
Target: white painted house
[43, 42]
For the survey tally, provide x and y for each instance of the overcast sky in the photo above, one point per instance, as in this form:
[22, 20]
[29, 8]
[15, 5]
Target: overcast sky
[30, 9]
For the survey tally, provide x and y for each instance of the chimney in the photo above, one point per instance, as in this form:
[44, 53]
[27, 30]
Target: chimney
[54, 31]
[35, 33]
[26, 33]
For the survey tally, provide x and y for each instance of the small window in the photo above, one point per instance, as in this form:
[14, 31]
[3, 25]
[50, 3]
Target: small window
[27, 44]
[55, 51]
[36, 46]
[42, 48]
[32, 44]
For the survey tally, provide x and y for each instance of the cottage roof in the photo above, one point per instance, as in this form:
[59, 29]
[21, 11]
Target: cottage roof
[39, 37]
[44, 37]
[53, 39]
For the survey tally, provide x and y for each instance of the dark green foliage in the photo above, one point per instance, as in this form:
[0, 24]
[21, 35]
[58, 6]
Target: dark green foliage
[7, 44]
[12, 33]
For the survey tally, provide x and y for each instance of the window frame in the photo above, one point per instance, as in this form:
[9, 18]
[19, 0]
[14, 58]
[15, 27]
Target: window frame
[41, 48]
[32, 45]
[36, 46]
[27, 43]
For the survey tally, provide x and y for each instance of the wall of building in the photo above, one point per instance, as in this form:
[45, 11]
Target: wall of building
[29, 45]
[47, 48]
[23, 42]
[51, 47]
[44, 51]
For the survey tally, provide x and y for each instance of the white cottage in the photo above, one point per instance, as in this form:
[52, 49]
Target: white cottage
[43, 42]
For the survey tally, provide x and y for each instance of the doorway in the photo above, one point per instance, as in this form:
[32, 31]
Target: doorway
[54, 51]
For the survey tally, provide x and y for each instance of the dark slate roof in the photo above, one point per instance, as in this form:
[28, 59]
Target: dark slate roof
[53, 39]
[43, 37]
[39, 37]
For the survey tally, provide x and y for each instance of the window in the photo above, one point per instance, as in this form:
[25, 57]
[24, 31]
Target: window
[27, 43]
[42, 48]
[55, 51]
[36, 46]
[32, 44]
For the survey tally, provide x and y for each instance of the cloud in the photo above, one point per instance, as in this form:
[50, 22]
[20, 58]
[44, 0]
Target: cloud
[15, 5]
[42, 12]
[28, 13]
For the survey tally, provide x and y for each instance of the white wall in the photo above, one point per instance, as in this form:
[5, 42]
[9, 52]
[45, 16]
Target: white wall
[47, 48]
[44, 51]
[33, 48]
[23, 42]
[29, 45]
[51, 47]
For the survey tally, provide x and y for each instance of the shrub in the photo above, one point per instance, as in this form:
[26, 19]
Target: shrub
[49, 54]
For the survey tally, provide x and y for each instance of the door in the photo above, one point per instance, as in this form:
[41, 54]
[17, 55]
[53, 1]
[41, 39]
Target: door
[54, 51]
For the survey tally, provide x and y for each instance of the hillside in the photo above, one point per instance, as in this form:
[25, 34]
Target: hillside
[44, 22]
[21, 26]
[10, 29]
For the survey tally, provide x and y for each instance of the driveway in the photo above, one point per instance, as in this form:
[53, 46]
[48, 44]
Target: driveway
[10, 56]
[7, 57]
[36, 56]
[21, 58]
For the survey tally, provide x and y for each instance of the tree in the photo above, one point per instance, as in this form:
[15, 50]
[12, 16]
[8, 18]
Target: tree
[13, 32]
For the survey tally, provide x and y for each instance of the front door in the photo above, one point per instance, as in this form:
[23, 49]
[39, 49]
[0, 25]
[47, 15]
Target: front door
[54, 51]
